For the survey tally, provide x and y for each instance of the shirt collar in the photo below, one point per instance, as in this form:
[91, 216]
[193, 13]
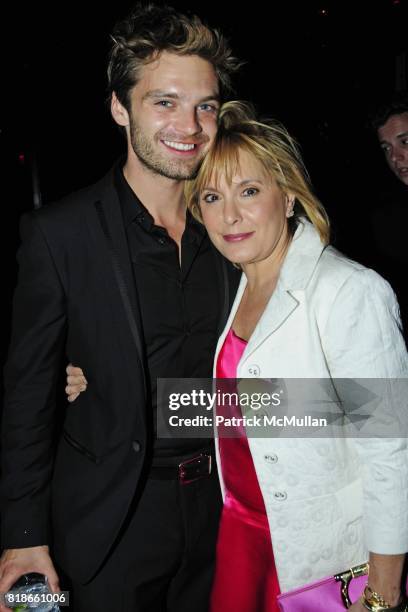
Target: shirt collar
[133, 209]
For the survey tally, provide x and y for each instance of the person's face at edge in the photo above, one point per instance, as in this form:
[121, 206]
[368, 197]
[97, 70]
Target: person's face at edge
[173, 118]
[393, 137]
[246, 219]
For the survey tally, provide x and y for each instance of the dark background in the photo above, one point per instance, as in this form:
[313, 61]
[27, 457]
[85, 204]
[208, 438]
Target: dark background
[318, 68]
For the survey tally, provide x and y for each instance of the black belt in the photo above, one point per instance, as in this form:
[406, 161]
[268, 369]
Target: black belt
[185, 472]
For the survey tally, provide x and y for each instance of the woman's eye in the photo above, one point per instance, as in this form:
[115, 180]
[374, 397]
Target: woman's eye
[210, 197]
[250, 191]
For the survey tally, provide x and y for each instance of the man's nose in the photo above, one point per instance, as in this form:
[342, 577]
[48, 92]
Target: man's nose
[187, 122]
[397, 154]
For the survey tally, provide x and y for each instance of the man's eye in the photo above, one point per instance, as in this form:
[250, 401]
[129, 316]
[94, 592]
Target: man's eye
[210, 198]
[208, 108]
[385, 148]
[250, 191]
[165, 103]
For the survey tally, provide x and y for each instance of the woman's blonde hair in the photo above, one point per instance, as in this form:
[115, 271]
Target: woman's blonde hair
[271, 144]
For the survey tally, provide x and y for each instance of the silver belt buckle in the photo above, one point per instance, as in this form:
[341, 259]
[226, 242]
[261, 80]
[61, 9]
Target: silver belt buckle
[195, 468]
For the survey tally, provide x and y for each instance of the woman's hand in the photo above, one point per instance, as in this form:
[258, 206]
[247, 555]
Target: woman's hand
[384, 578]
[76, 382]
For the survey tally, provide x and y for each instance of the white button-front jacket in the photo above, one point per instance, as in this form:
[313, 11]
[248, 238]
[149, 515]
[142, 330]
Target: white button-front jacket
[329, 500]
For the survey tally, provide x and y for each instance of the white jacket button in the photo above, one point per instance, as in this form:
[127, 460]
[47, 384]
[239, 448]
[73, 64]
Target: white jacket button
[254, 370]
[271, 458]
[280, 495]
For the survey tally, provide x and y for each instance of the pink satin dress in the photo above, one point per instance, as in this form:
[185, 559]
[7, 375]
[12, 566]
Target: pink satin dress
[245, 575]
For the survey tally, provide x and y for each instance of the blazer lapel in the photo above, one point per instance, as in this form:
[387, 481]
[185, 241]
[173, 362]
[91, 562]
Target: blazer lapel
[301, 259]
[109, 218]
[279, 308]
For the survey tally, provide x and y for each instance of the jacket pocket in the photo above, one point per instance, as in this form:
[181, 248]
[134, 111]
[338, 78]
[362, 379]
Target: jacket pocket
[80, 448]
[350, 499]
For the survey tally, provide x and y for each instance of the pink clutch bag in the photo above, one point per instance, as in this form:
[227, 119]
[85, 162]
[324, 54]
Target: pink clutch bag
[335, 593]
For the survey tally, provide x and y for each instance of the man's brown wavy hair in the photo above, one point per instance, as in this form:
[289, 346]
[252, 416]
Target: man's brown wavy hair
[148, 31]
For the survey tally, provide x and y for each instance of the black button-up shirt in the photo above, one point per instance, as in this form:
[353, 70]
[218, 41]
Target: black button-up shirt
[179, 304]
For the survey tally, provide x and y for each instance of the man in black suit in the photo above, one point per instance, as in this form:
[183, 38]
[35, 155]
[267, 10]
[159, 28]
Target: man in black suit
[389, 210]
[121, 280]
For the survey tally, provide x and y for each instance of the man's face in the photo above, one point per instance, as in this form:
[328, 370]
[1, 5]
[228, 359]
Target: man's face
[393, 137]
[173, 115]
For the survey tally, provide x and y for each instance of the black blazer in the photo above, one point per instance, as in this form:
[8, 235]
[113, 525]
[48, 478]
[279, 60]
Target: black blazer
[76, 296]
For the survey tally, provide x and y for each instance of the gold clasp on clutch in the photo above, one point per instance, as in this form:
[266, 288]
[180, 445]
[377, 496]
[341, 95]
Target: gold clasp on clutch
[346, 577]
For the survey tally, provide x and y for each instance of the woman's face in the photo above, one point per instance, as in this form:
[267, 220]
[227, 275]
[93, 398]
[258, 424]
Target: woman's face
[246, 219]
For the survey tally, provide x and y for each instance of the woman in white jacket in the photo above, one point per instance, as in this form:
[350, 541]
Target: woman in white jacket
[297, 508]
[302, 311]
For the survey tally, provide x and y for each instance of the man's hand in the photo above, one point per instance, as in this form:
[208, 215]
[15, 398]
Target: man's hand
[18, 561]
[76, 382]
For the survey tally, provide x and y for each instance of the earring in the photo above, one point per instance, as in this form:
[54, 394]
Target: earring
[290, 213]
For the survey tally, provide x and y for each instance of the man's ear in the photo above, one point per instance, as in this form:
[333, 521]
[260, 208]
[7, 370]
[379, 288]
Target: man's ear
[119, 112]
